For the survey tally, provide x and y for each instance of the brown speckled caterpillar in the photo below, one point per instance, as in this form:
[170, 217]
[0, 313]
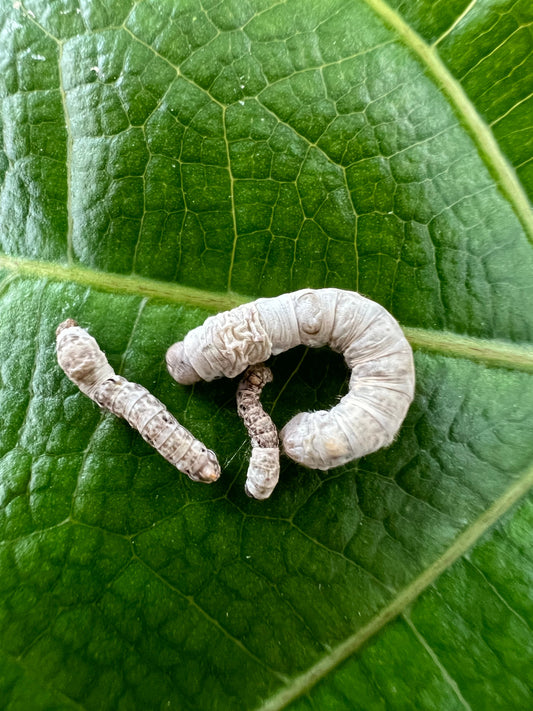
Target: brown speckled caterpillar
[263, 470]
[371, 340]
[85, 364]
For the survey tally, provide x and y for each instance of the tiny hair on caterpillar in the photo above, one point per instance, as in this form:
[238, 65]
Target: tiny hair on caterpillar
[82, 360]
[382, 379]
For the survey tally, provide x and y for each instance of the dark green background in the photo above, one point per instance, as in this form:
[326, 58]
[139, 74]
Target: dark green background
[165, 160]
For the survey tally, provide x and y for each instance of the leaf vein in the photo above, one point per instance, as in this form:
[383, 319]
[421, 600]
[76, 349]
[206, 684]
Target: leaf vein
[444, 672]
[301, 684]
[493, 352]
[477, 128]
[208, 617]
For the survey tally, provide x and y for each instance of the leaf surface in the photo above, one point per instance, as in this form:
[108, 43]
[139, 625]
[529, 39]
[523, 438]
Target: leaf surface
[162, 161]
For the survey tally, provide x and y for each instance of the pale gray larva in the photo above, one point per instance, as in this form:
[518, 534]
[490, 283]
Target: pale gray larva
[263, 470]
[85, 364]
[371, 340]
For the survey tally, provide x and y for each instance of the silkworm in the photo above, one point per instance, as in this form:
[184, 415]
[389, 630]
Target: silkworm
[82, 360]
[382, 377]
[263, 470]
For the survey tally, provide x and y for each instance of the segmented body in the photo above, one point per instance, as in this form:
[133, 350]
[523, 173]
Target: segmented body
[86, 365]
[374, 348]
[263, 470]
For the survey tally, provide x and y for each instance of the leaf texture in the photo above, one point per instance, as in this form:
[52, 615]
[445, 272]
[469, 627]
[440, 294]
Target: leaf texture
[162, 161]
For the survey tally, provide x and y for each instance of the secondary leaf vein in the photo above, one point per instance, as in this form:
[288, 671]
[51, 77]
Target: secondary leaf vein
[409, 594]
[476, 126]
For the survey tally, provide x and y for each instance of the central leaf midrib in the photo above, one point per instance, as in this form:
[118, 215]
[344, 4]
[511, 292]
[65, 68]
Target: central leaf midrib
[503, 354]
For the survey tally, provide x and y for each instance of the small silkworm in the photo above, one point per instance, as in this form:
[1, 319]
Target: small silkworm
[81, 358]
[381, 360]
[263, 470]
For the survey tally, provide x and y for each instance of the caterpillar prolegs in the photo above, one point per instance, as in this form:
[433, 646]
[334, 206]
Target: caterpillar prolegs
[85, 364]
[381, 360]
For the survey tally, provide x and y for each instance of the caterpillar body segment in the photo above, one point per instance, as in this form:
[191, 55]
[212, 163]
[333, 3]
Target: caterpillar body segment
[82, 360]
[371, 340]
[263, 469]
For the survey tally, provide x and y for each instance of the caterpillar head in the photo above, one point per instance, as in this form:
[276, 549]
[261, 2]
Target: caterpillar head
[179, 366]
[314, 440]
[79, 355]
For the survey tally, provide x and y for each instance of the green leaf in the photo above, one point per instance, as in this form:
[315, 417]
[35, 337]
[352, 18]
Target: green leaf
[162, 161]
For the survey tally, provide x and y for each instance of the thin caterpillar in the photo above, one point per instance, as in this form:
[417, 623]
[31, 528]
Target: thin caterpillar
[263, 470]
[371, 340]
[85, 364]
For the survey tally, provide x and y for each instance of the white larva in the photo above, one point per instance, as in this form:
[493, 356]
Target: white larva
[371, 340]
[85, 364]
[263, 470]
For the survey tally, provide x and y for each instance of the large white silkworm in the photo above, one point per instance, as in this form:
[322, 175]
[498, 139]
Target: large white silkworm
[371, 340]
[79, 355]
[263, 470]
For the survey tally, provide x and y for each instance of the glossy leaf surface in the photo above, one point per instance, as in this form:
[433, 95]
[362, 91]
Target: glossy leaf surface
[162, 161]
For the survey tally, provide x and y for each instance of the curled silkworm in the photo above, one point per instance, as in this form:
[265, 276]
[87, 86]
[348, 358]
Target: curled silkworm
[263, 470]
[371, 340]
[79, 355]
